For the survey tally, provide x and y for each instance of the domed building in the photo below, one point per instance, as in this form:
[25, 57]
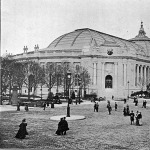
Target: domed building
[117, 66]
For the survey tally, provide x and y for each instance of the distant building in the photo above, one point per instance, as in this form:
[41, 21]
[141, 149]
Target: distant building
[117, 66]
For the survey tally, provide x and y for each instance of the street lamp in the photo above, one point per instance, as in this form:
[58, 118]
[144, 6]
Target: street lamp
[79, 89]
[68, 85]
[41, 92]
[128, 90]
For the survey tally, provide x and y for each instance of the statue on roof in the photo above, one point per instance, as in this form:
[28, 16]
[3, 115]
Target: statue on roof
[142, 33]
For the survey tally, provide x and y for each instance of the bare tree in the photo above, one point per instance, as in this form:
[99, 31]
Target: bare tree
[50, 75]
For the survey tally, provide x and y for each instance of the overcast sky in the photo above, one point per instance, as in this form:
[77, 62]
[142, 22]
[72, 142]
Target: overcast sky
[30, 22]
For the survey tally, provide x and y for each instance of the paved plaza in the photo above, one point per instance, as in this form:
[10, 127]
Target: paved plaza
[99, 131]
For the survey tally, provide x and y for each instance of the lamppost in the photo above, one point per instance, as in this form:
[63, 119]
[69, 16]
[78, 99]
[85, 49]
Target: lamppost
[41, 92]
[128, 90]
[68, 85]
[79, 89]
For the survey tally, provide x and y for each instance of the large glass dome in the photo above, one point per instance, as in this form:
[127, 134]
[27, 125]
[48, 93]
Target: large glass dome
[79, 38]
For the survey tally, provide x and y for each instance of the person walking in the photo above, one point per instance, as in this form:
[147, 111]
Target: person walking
[132, 117]
[116, 106]
[22, 132]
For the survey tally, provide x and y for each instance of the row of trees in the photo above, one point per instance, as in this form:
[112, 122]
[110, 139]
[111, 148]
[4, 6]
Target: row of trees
[32, 75]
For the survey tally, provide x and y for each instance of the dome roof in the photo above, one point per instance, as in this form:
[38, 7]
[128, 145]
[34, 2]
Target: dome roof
[142, 40]
[79, 38]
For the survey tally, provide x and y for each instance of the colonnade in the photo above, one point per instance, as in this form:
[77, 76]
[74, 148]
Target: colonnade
[142, 74]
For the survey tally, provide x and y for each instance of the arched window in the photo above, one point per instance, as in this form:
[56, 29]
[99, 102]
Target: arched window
[108, 81]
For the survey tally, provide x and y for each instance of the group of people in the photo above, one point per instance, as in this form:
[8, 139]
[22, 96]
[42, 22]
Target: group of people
[62, 126]
[126, 111]
[26, 107]
[138, 118]
[96, 105]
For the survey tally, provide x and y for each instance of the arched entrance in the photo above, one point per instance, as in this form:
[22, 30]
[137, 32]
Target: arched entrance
[108, 81]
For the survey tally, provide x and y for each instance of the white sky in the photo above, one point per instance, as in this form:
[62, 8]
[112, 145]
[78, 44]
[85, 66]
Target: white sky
[30, 22]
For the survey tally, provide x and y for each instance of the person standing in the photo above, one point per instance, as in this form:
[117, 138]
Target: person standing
[136, 102]
[64, 126]
[109, 109]
[18, 106]
[116, 106]
[26, 107]
[132, 117]
[124, 111]
[128, 111]
[44, 106]
[59, 130]
[140, 118]
[137, 118]
[22, 132]
[97, 106]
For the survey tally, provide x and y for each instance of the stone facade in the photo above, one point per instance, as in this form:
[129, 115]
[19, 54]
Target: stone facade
[117, 66]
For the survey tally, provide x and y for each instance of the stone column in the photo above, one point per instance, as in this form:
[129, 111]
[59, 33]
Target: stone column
[134, 74]
[94, 73]
[116, 74]
[137, 74]
[145, 75]
[125, 75]
[103, 67]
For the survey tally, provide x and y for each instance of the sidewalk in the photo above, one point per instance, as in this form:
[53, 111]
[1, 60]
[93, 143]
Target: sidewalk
[14, 108]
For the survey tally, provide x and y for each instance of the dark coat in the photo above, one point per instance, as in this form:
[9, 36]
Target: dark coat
[22, 132]
[62, 126]
[132, 116]
[65, 125]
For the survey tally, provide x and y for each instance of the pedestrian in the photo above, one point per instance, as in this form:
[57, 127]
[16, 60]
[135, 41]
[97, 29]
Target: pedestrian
[18, 106]
[132, 117]
[136, 102]
[59, 130]
[109, 108]
[26, 107]
[64, 126]
[116, 106]
[95, 107]
[44, 106]
[22, 132]
[47, 104]
[140, 118]
[112, 97]
[125, 100]
[124, 111]
[137, 118]
[145, 104]
[128, 111]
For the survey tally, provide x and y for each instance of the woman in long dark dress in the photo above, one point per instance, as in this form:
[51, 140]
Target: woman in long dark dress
[22, 132]
[59, 130]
